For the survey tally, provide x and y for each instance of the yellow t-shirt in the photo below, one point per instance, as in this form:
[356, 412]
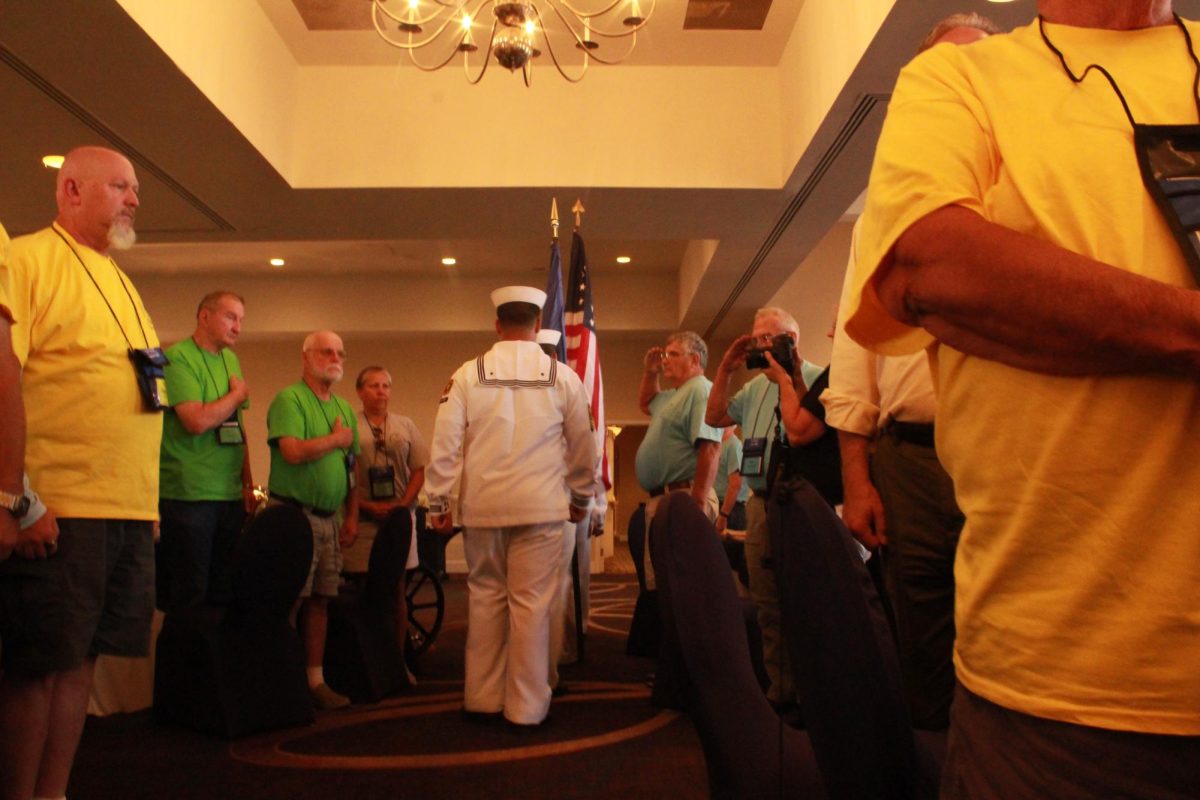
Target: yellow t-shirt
[91, 449]
[1078, 592]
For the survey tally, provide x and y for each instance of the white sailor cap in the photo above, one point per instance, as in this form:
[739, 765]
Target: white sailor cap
[549, 336]
[518, 294]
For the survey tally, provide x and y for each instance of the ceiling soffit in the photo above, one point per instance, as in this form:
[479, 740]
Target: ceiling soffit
[713, 15]
[699, 33]
[726, 15]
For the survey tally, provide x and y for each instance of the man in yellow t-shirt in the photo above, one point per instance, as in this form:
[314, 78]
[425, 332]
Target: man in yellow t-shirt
[1007, 229]
[82, 583]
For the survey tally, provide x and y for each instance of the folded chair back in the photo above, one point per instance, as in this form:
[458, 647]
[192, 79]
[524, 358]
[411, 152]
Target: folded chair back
[748, 750]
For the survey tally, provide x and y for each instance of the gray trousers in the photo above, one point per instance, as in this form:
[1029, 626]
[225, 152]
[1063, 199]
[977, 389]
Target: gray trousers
[765, 592]
[923, 523]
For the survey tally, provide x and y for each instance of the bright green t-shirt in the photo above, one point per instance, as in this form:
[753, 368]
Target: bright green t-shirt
[297, 411]
[198, 467]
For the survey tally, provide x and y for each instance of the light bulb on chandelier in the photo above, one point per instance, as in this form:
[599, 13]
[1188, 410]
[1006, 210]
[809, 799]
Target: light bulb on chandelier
[447, 27]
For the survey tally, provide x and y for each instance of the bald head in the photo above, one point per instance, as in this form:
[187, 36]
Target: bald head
[962, 28]
[97, 197]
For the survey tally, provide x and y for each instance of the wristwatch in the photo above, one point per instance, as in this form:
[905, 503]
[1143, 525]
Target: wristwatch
[15, 504]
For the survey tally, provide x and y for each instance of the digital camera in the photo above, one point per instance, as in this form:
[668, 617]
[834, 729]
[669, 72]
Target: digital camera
[780, 350]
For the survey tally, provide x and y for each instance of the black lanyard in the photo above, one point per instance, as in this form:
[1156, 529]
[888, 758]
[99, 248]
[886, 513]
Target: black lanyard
[124, 286]
[1166, 156]
[208, 369]
[1112, 81]
[758, 411]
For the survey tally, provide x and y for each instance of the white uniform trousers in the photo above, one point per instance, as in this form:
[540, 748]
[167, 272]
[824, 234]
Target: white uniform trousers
[578, 545]
[512, 581]
[562, 610]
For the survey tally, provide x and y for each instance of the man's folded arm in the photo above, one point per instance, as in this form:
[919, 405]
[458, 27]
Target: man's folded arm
[992, 292]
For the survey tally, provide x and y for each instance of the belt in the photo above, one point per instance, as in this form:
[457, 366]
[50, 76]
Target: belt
[659, 491]
[291, 501]
[919, 433]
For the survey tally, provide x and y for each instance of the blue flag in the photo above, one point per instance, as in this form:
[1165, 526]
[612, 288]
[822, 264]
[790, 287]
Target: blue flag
[552, 314]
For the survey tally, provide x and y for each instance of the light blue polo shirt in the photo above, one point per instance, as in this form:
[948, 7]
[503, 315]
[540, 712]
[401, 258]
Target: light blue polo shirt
[668, 453]
[731, 462]
[753, 407]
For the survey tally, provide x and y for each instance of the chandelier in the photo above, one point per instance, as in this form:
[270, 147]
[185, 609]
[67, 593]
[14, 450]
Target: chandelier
[520, 30]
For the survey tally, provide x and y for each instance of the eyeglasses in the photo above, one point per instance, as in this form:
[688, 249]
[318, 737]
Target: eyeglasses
[328, 352]
[767, 338]
[674, 354]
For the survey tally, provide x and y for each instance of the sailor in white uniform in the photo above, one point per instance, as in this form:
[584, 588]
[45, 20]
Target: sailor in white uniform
[514, 424]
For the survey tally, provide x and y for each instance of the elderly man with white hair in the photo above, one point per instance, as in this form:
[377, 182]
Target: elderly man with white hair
[766, 407]
[313, 435]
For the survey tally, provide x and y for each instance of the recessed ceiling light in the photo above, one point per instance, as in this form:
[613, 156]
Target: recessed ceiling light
[277, 262]
[52, 162]
[449, 262]
[623, 259]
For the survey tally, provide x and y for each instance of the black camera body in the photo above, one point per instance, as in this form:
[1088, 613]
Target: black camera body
[780, 350]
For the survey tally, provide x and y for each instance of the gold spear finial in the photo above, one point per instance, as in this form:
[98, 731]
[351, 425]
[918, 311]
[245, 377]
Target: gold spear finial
[554, 216]
[578, 210]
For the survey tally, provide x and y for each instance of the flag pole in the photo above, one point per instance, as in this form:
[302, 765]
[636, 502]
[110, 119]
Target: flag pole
[578, 210]
[554, 217]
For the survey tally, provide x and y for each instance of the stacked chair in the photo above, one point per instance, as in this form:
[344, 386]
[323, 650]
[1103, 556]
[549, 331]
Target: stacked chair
[857, 743]
[748, 751]
[238, 669]
[363, 659]
[843, 654]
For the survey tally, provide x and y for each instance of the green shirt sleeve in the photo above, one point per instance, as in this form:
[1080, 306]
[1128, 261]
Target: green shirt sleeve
[737, 406]
[285, 417]
[697, 405]
[184, 385]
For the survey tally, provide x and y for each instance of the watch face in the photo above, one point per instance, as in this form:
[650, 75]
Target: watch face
[17, 505]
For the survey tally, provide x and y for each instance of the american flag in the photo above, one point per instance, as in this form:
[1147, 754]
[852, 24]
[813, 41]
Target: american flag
[583, 353]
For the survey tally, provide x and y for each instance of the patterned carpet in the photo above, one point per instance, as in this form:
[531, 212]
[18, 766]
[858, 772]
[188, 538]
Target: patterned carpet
[603, 739]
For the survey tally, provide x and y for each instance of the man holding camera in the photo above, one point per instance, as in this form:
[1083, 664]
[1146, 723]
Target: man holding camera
[680, 452]
[767, 405]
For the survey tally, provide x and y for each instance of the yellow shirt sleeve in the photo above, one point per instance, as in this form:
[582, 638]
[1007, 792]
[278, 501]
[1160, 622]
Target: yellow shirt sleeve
[5, 310]
[935, 150]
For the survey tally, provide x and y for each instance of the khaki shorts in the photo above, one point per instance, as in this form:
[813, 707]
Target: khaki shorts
[325, 574]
